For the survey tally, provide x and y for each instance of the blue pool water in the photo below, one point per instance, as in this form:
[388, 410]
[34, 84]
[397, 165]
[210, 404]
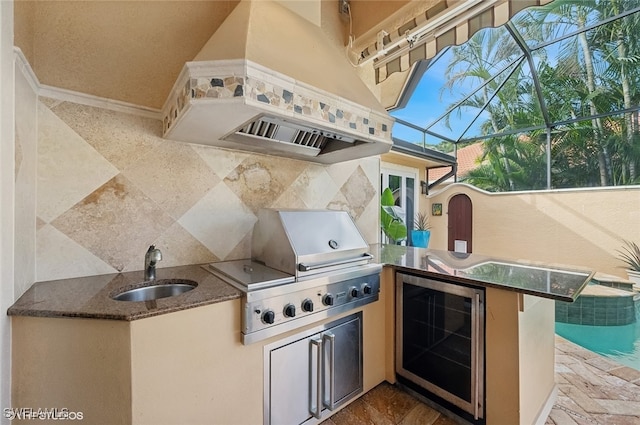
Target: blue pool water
[619, 343]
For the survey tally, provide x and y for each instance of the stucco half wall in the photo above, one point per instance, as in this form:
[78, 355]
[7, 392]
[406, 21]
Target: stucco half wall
[581, 227]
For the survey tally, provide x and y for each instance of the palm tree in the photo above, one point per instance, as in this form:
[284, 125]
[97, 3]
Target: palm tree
[477, 60]
[619, 44]
[595, 73]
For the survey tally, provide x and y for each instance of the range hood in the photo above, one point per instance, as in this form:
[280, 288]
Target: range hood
[270, 81]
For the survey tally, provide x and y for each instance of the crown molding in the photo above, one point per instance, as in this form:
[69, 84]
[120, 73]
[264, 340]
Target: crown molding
[80, 98]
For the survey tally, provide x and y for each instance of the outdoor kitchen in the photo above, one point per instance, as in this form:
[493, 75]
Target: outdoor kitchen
[305, 318]
[193, 231]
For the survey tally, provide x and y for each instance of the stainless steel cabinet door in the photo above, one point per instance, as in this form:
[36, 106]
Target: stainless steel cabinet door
[294, 374]
[342, 346]
[316, 372]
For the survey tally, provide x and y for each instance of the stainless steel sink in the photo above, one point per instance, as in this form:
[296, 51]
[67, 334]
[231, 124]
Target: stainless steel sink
[156, 289]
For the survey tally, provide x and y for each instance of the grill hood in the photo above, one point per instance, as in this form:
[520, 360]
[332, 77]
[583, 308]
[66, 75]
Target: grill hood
[308, 242]
[270, 81]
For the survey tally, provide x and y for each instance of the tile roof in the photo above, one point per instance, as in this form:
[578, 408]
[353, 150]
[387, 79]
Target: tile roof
[468, 158]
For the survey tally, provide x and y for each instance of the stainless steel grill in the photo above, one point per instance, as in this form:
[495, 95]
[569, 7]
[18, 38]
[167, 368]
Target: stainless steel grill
[306, 265]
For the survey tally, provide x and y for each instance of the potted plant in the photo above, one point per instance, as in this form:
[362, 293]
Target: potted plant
[390, 222]
[421, 234]
[630, 255]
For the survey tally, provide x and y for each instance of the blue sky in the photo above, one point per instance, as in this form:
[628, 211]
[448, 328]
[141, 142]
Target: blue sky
[428, 103]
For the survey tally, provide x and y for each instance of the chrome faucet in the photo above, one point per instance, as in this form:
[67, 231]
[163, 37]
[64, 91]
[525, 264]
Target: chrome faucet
[152, 256]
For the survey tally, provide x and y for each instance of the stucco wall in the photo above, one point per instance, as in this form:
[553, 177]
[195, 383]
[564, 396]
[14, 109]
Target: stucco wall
[582, 227]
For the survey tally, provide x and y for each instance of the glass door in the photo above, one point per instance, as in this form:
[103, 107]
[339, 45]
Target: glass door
[402, 183]
[440, 339]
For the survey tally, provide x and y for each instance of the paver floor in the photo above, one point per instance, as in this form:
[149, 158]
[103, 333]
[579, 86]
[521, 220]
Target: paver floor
[591, 390]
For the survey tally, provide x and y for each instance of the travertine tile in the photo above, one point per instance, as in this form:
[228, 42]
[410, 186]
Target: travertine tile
[360, 413]
[620, 407]
[221, 161]
[314, 187]
[289, 199]
[178, 248]
[560, 417]
[603, 363]
[371, 168]
[421, 415]
[68, 167]
[341, 171]
[119, 137]
[174, 176]
[566, 402]
[117, 222]
[585, 373]
[40, 223]
[165, 180]
[588, 388]
[626, 373]
[391, 402]
[369, 222]
[260, 180]
[340, 203]
[220, 220]
[443, 420]
[241, 250]
[358, 191]
[53, 251]
[613, 420]
[587, 403]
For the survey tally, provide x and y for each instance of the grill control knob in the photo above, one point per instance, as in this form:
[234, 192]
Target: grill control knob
[354, 292]
[307, 305]
[290, 310]
[268, 317]
[327, 299]
[367, 289]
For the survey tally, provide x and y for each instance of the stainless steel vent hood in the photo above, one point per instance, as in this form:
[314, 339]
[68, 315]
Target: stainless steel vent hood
[270, 81]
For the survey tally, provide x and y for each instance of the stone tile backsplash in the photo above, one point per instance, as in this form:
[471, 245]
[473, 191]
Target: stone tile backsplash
[109, 186]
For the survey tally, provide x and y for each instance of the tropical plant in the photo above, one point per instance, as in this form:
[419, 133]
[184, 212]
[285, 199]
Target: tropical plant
[421, 222]
[630, 255]
[595, 72]
[390, 221]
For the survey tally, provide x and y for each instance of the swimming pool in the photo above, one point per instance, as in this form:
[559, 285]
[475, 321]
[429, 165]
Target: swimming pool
[619, 343]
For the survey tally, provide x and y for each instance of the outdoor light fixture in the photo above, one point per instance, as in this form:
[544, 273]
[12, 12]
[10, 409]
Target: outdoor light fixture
[424, 187]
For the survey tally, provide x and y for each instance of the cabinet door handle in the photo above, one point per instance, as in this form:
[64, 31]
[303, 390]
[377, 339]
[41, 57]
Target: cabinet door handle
[331, 338]
[317, 411]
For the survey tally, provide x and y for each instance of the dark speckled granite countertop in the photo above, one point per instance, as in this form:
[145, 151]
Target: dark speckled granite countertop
[557, 282]
[90, 297]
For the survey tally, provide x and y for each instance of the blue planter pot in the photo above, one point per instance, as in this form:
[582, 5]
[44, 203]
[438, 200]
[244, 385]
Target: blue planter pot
[420, 238]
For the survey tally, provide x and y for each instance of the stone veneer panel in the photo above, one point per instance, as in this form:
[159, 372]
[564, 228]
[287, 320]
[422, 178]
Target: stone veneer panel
[114, 187]
[241, 79]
